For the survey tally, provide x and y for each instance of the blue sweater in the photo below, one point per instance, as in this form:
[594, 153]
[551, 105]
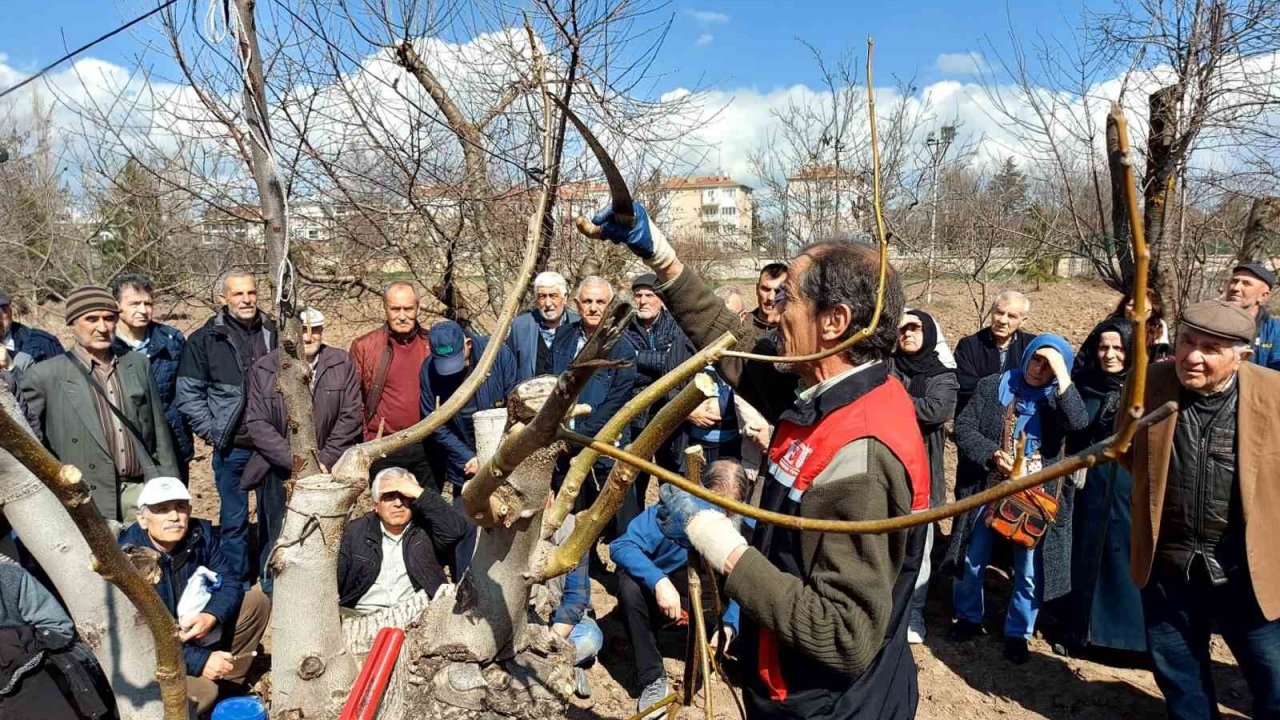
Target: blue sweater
[647, 555]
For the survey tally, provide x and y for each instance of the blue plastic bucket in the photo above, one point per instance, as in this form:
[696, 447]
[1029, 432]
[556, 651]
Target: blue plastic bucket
[240, 708]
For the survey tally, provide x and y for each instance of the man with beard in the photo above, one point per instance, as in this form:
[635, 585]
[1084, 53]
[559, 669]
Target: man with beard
[532, 332]
[335, 410]
[99, 409]
[1250, 288]
[162, 344]
[212, 394]
[388, 361]
[823, 627]
[607, 391]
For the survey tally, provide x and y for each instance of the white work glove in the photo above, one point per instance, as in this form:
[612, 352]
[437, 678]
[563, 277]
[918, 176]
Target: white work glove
[715, 537]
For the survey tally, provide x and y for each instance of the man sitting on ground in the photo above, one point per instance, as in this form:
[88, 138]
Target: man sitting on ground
[652, 589]
[186, 546]
[399, 548]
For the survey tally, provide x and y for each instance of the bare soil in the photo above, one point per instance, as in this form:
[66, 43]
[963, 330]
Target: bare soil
[969, 681]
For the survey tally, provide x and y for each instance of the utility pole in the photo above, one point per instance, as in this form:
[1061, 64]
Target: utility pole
[937, 150]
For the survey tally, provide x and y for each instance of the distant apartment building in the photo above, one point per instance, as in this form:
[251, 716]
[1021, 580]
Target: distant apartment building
[716, 209]
[825, 201]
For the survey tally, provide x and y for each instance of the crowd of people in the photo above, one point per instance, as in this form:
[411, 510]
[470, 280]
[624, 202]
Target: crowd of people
[1146, 556]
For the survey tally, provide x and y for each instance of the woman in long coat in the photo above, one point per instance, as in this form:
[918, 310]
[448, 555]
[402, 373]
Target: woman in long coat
[1045, 407]
[933, 387]
[1104, 608]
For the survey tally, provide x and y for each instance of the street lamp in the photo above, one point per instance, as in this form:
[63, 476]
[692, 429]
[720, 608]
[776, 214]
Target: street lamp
[937, 149]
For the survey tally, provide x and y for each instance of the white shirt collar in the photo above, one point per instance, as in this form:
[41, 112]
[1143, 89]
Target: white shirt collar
[810, 394]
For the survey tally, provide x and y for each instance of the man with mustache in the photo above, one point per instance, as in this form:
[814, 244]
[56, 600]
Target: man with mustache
[213, 391]
[533, 332]
[218, 637]
[388, 360]
[99, 409]
[1250, 288]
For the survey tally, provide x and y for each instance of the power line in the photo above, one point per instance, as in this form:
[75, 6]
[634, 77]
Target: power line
[84, 47]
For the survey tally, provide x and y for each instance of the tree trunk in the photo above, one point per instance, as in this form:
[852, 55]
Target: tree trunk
[1120, 231]
[1161, 175]
[1261, 231]
[107, 622]
[311, 671]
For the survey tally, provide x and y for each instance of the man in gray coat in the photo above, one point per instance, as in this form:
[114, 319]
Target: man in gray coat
[99, 409]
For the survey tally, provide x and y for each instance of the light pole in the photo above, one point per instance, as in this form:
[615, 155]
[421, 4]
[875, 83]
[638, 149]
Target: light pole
[937, 149]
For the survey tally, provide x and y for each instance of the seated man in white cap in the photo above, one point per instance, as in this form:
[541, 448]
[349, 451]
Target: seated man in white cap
[398, 549]
[335, 412]
[220, 624]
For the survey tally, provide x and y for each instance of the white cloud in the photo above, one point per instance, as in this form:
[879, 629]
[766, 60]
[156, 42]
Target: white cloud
[970, 63]
[705, 39]
[708, 17]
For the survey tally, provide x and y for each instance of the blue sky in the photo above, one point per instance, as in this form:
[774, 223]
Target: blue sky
[745, 44]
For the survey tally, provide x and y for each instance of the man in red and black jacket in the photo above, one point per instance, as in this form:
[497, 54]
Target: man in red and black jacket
[824, 618]
[388, 362]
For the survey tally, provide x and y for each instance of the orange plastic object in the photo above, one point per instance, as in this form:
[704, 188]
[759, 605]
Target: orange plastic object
[371, 685]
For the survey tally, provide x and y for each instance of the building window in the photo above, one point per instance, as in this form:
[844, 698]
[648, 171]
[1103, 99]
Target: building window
[729, 210]
[709, 211]
[729, 193]
[313, 234]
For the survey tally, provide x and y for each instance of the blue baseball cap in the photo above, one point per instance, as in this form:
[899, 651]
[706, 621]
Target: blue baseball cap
[448, 348]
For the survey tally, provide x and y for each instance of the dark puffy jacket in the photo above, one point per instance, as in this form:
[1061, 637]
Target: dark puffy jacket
[211, 380]
[335, 408]
[39, 344]
[608, 390]
[200, 548]
[163, 346]
[428, 546]
[455, 441]
[659, 350]
[524, 338]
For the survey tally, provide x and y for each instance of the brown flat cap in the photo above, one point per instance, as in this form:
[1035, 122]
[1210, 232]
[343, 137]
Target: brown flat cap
[88, 298]
[1222, 319]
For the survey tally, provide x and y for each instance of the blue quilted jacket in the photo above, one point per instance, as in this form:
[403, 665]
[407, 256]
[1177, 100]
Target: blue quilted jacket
[163, 347]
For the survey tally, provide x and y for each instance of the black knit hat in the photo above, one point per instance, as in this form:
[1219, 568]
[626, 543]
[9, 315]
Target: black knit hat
[88, 298]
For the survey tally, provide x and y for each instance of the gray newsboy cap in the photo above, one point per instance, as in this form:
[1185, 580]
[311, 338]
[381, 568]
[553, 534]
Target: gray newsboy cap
[1221, 319]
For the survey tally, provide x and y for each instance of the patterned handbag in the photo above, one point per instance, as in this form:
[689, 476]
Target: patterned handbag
[1025, 516]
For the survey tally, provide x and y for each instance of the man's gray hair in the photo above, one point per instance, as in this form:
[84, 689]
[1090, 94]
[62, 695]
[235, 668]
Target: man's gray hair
[399, 283]
[1007, 295]
[551, 279]
[726, 477]
[388, 474]
[233, 273]
[594, 281]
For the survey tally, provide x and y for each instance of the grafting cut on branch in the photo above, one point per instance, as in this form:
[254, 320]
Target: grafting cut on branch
[612, 430]
[592, 521]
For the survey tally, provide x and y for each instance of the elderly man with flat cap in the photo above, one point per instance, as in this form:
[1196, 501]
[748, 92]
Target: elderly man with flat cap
[1250, 288]
[98, 408]
[1206, 499]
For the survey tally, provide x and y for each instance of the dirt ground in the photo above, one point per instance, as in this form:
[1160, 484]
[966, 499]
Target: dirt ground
[971, 681]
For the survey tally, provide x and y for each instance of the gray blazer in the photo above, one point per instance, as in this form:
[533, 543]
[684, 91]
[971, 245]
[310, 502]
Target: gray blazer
[61, 400]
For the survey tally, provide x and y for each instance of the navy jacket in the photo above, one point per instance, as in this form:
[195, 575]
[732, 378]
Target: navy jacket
[659, 350]
[524, 338]
[212, 385]
[455, 441]
[647, 555]
[608, 390]
[39, 344]
[201, 547]
[163, 346]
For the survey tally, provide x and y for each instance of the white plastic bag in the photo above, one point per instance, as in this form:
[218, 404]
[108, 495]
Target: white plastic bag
[195, 596]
